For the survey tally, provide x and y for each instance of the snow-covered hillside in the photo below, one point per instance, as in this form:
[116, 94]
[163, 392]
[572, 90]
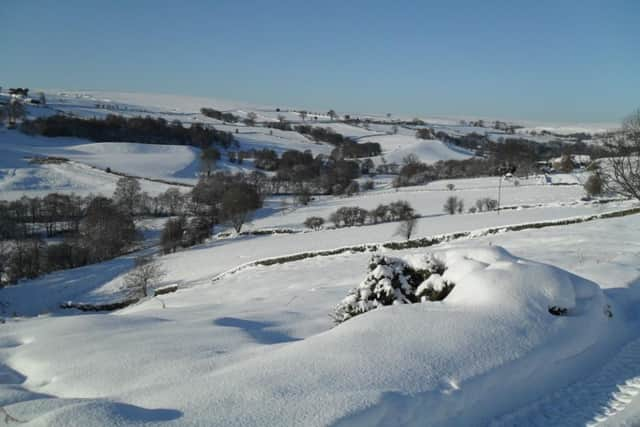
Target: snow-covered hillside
[541, 326]
[258, 348]
[86, 173]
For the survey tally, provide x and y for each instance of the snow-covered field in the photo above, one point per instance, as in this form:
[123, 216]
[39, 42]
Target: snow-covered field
[258, 348]
[254, 345]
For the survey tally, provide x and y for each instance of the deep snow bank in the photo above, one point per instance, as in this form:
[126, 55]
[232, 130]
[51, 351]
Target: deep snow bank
[490, 346]
[481, 350]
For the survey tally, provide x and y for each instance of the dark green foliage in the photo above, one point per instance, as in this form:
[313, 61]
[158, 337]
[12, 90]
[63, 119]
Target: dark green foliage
[393, 281]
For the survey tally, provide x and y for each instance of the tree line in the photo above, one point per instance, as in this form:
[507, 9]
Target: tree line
[220, 115]
[349, 216]
[95, 228]
[146, 130]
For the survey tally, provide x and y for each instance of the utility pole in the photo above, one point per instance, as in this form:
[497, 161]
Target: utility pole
[502, 171]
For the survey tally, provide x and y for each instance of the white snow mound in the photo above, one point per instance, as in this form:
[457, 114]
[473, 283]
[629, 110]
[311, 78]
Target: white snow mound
[490, 346]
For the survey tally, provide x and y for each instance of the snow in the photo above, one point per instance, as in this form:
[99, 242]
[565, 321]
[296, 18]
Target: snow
[397, 147]
[86, 173]
[246, 344]
[280, 358]
[262, 338]
[428, 200]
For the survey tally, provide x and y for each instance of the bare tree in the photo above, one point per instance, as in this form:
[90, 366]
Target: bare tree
[172, 200]
[303, 115]
[208, 158]
[451, 205]
[128, 194]
[238, 203]
[106, 230]
[623, 169]
[251, 118]
[146, 274]
[332, 114]
[172, 234]
[407, 227]
[314, 222]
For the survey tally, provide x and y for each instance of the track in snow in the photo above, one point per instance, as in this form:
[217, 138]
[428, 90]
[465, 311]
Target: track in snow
[590, 402]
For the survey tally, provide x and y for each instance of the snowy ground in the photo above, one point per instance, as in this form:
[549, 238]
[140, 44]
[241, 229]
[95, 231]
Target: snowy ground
[428, 200]
[258, 348]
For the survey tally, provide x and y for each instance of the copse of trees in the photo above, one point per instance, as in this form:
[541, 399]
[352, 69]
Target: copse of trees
[127, 195]
[114, 128]
[95, 229]
[54, 214]
[314, 222]
[453, 205]
[519, 151]
[352, 150]
[296, 170]
[325, 134]
[106, 230]
[224, 197]
[219, 115]
[251, 118]
[349, 216]
[514, 155]
[425, 133]
[282, 124]
[266, 159]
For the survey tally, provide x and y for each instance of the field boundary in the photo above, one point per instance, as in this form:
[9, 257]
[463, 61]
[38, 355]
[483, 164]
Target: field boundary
[425, 241]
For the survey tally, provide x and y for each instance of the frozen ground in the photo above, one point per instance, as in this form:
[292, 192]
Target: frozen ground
[258, 348]
[428, 200]
[86, 173]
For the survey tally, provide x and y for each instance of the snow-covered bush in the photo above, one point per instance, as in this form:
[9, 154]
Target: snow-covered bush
[393, 281]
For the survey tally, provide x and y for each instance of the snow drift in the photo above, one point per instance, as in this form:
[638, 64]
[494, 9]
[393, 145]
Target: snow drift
[491, 345]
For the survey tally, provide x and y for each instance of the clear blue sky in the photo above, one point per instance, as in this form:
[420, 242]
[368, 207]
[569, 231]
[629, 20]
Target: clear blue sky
[539, 60]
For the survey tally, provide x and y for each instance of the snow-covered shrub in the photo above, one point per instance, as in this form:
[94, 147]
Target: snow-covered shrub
[393, 281]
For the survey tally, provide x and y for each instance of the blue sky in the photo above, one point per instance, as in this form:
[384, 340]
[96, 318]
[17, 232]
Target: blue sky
[540, 60]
